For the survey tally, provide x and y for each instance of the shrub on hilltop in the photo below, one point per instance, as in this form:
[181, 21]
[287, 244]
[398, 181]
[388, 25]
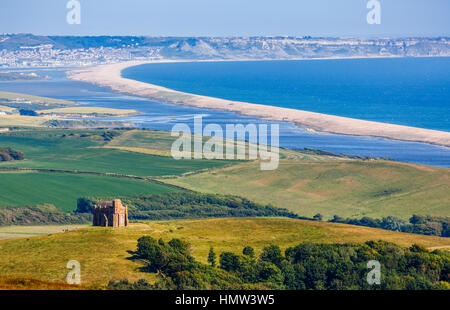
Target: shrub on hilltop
[8, 154]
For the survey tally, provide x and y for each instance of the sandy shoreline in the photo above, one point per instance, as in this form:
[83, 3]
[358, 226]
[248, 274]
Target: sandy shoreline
[110, 76]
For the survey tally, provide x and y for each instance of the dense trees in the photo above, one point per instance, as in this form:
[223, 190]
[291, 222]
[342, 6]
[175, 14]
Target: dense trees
[86, 205]
[40, 215]
[418, 224]
[177, 269]
[305, 266]
[189, 205]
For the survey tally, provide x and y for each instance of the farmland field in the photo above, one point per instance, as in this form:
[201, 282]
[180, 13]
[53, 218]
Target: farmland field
[13, 96]
[90, 111]
[12, 232]
[344, 188]
[81, 152]
[63, 189]
[105, 254]
[160, 143]
[21, 120]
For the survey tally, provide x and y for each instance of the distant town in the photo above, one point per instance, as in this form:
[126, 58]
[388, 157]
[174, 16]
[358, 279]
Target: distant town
[27, 50]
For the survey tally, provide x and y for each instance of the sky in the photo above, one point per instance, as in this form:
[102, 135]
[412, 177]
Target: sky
[227, 17]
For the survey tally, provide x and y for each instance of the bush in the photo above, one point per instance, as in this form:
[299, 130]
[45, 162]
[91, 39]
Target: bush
[8, 154]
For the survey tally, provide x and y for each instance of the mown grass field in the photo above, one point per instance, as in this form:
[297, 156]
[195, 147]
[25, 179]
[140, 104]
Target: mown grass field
[47, 150]
[12, 96]
[105, 254]
[345, 188]
[12, 232]
[63, 189]
[90, 111]
[21, 120]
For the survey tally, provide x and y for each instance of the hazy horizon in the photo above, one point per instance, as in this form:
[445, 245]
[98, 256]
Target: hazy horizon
[230, 36]
[231, 18]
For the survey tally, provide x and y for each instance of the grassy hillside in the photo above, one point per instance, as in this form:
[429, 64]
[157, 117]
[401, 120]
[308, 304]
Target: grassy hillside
[30, 284]
[345, 188]
[105, 254]
[63, 190]
[71, 150]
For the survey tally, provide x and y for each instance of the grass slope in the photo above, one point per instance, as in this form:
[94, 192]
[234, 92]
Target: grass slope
[31, 284]
[63, 190]
[345, 188]
[104, 253]
[12, 232]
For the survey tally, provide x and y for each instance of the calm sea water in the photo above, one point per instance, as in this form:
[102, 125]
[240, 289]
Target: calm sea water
[406, 91]
[161, 116]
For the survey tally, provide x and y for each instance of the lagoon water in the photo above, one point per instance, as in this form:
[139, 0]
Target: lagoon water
[161, 116]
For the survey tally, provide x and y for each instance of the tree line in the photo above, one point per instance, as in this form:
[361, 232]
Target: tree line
[306, 266]
[46, 214]
[189, 205]
[418, 224]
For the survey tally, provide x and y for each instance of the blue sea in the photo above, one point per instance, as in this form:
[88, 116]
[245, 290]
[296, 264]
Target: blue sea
[405, 91]
[162, 116]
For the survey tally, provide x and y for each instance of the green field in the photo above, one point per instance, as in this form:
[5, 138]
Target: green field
[104, 253]
[160, 143]
[13, 96]
[48, 107]
[63, 190]
[89, 111]
[345, 188]
[52, 150]
[23, 121]
[304, 183]
[12, 232]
